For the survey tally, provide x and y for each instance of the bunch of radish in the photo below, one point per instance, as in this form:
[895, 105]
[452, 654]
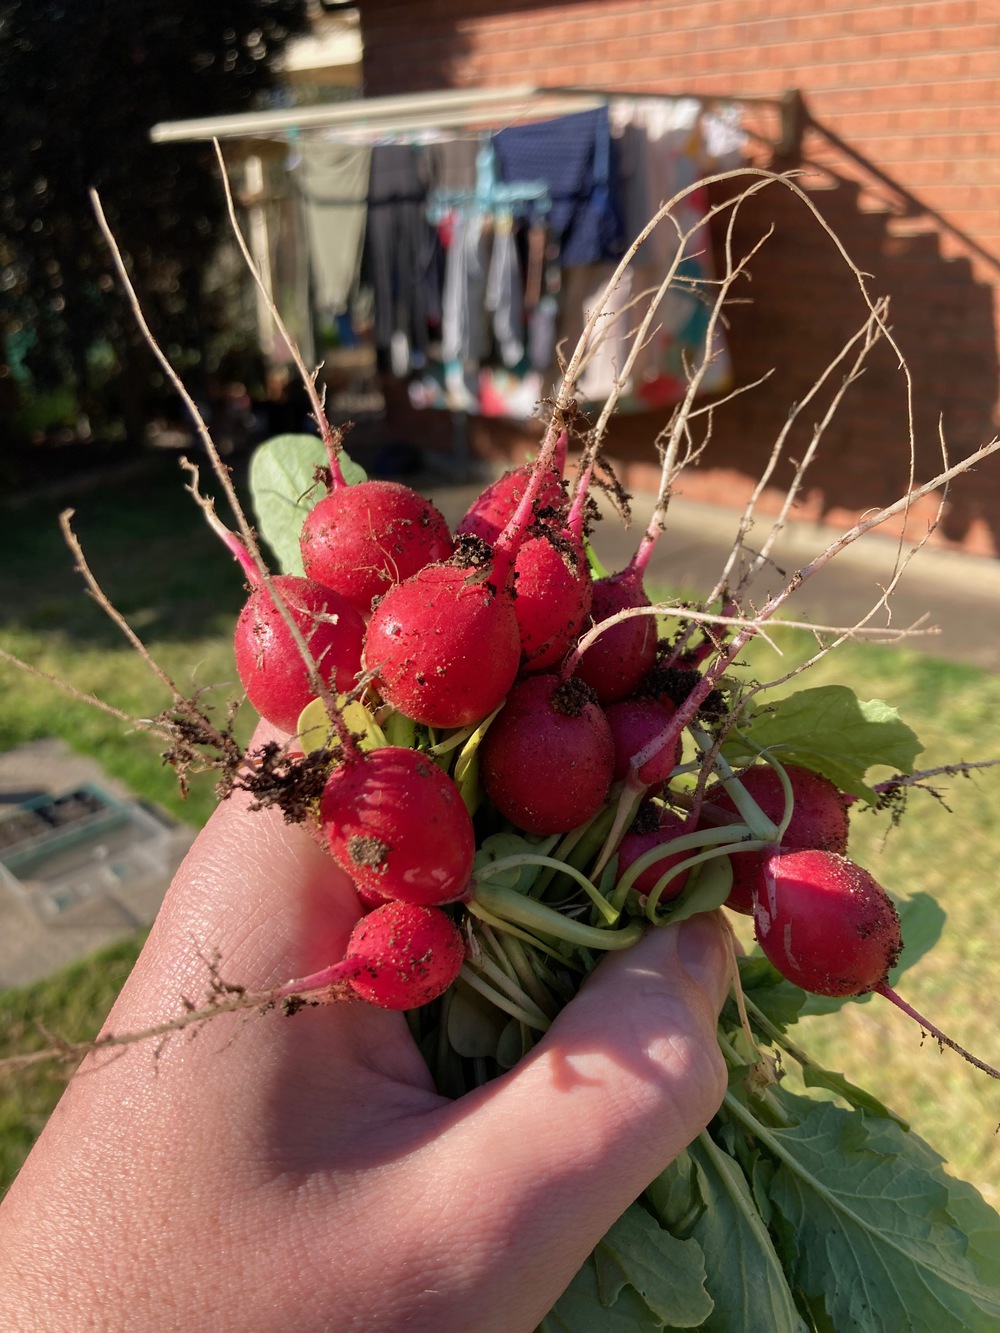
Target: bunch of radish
[469, 686]
[484, 729]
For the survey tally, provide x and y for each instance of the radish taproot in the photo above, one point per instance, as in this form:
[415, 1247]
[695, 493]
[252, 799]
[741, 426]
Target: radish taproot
[554, 589]
[444, 646]
[828, 926]
[397, 824]
[269, 663]
[399, 956]
[278, 676]
[361, 539]
[616, 661]
[635, 723]
[411, 955]
[495, 506]
[547, 759]
[654, 827]
[819, 821]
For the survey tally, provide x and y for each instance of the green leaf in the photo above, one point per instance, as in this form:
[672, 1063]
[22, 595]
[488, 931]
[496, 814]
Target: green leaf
[669, 1274]
[707, 888]
[639, 1277]
[580, 1310]
[865, 1230]
[743, 1274]
[830, 730]
[474, 1025]
[781, 1001]
[283, 488]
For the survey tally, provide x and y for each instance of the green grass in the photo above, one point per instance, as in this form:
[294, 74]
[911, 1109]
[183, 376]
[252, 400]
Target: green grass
[73, 1003]
[150, 547]
[152, 553]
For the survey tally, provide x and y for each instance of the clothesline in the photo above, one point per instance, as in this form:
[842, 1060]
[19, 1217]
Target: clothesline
[471, 297]
[461, 111]
[411, 247]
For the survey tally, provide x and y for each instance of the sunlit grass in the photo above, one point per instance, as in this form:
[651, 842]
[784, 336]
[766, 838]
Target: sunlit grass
[72, 1003]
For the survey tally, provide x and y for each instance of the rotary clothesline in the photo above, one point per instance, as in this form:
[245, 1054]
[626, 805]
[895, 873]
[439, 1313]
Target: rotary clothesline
[470, 234]
[483, 253]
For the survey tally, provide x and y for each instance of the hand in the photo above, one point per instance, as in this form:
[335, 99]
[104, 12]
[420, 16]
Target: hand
[273, 1173]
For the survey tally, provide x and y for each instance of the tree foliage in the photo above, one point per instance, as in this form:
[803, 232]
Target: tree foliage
[80, 87]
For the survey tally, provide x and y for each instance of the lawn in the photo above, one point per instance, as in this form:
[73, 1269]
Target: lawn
[161, 566]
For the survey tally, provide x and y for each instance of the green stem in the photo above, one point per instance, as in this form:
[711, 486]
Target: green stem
[535, 916]
[750, 811]
[481, 913]
[656, 893]
[530, 980]
[714, 838]
[497, 976]
[532, 1020]
[531, 859]
[399, 729]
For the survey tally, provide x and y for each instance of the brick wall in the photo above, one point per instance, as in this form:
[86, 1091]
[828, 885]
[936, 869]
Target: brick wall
[901, 155]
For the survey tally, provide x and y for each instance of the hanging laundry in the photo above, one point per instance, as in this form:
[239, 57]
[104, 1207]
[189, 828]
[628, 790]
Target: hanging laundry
[463, 308]
[449, 164]
[575, 156]
[398, 257]
[332, 181]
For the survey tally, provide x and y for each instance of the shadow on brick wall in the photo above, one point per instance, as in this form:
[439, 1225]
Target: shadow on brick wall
[798, 309]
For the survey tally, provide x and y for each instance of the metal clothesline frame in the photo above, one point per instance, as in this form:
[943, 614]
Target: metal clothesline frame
[368, 118]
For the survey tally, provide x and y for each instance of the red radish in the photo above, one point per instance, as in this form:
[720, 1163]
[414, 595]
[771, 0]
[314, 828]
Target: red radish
[547, 759]
[444, 646]
[276, 676]
[397, 824]
[399, 956]
[829, 927]
[362, 539]
[638, 841]
[819, 820]
[615, 663]
[634, 724]
[554, 590]
[270, 665]
[493, 509]
[825, 923]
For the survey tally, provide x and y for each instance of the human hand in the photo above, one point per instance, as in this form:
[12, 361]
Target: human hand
[272, 1173]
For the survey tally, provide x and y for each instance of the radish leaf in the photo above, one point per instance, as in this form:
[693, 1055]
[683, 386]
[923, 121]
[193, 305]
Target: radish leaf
[639, 1277]
[849, 1195]
[743, 1274]
[830, 730]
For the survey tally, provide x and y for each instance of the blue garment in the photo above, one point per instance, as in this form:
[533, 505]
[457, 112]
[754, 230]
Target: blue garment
[575, 156]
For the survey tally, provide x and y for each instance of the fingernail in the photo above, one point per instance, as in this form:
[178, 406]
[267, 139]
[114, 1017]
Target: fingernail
[701, 952]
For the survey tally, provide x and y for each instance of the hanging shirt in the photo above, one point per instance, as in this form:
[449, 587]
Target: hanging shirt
[575, 157]
[332, 181]
[398, 253]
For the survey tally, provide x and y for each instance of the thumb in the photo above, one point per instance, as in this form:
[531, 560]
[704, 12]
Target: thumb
[627, 1076]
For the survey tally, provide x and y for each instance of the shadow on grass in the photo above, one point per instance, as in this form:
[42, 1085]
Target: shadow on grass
[146, 542]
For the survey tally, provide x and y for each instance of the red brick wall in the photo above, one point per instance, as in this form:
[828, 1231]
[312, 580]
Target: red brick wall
[911, 90]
